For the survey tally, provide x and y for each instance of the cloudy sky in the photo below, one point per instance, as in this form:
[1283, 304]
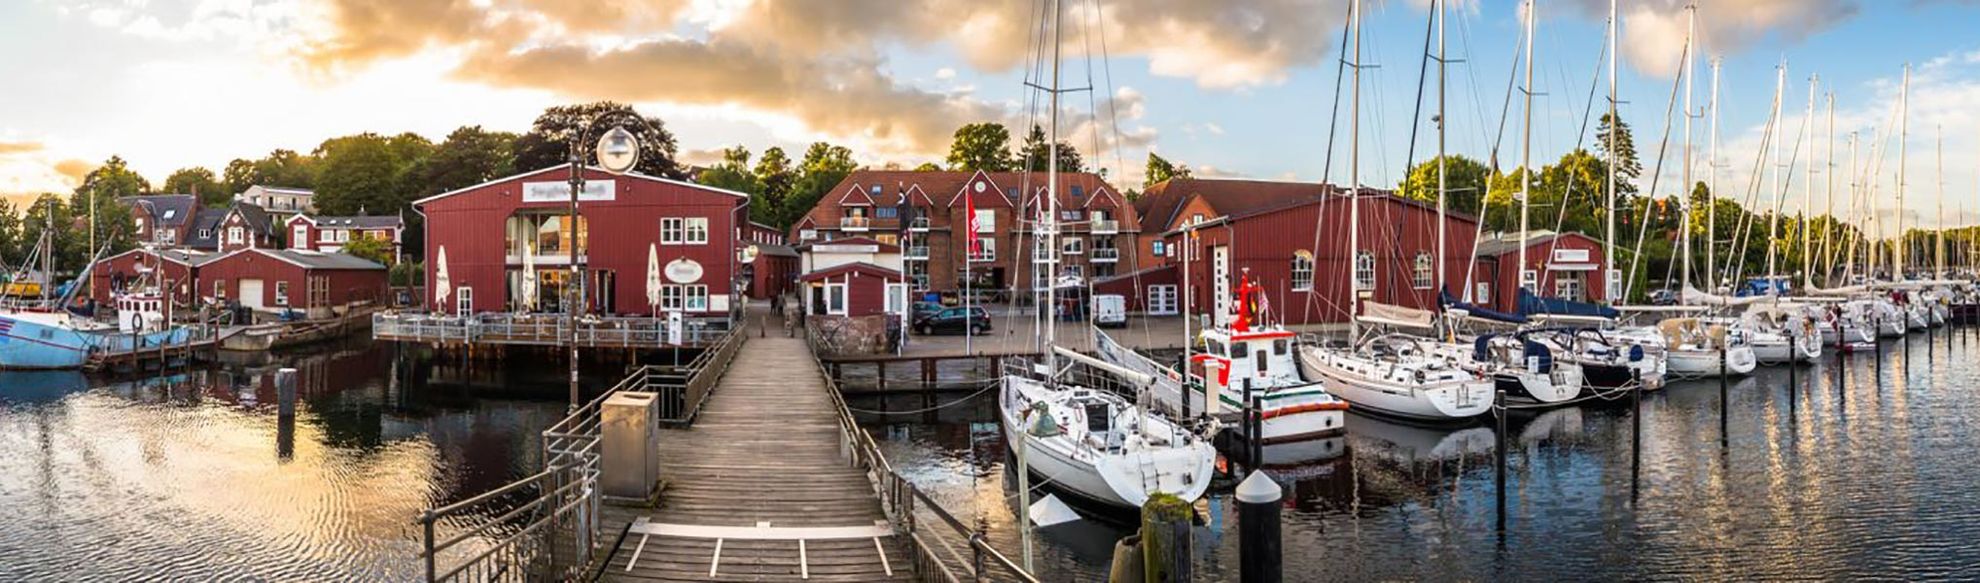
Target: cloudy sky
[1229, 87]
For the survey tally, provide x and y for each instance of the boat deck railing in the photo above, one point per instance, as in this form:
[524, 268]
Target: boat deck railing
[947, 550]
[545, 330]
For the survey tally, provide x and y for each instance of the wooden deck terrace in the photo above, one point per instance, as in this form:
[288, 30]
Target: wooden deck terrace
[541, 330]
[758, 488]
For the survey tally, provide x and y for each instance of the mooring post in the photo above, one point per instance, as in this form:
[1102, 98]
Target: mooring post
[1255, 411]
[1794, 349]
[1260, 550]
[1724, 373]
[1499, 457]
[1166, 545]
[285, 417]
[1635, 431]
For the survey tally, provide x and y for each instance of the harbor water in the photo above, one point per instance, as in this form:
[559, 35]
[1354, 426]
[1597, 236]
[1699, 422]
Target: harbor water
[196, 475]
[1863, 470]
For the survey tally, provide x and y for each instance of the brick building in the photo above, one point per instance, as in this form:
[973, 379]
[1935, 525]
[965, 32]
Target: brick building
[925, 214]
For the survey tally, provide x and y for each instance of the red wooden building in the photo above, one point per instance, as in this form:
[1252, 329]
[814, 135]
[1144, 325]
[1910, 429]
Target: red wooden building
[1292, 240]
[275, 280]
[485, 228]
[330, 234]
[853, 290]
[1569, 266]
[173, 268]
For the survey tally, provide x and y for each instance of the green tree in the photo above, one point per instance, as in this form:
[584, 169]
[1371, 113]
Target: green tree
[199, 181]
[982, 146]
[111, 221]
[376, 250]
[548, 142]
[12, 231]
[367, 173]
[1038, 154]
[928, 167]
[733, 173]
[775, 172]
[1160, 169]
[469, 156]
[1464, 189]
[1628, 166]
[824, 166]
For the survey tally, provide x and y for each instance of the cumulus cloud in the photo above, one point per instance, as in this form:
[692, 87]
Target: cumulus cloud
[1654, 30]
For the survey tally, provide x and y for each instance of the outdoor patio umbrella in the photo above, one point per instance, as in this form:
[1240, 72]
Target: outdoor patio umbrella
[441, 286]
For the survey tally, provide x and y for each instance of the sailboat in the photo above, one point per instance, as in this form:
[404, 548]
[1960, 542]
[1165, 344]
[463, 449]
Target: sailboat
[1249, 362]
[1087, 440]
[1394, 374]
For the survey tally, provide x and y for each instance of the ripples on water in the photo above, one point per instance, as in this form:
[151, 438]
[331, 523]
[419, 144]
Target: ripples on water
[196, 476]
[1853, 476]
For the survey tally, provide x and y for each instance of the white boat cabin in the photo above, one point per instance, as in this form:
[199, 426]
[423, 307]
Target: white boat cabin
[1267, 357]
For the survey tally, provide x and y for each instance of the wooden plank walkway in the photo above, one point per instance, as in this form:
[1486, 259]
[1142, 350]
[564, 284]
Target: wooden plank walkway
[765, 449]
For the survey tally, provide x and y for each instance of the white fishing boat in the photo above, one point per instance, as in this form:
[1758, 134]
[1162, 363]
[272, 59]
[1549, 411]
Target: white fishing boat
[1253, 363]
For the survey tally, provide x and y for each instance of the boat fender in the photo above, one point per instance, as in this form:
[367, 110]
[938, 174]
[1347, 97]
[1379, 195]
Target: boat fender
[1635, 353]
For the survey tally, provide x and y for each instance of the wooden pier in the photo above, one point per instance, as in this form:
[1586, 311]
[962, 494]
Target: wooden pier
[759, 488]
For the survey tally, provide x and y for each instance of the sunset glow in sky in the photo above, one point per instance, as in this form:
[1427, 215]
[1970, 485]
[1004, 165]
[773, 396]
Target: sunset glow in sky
[1230, 88]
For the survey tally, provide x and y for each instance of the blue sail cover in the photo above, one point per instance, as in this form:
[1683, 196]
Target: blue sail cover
[1531, 305]
[1451, 303]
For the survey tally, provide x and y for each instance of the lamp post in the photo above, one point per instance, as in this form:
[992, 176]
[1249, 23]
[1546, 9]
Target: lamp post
[617, 152]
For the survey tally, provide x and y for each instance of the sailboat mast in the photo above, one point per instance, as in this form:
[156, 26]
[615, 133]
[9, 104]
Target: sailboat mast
[1049, 225]
[1807, 204]
[1939, 244]
[1684, 198]
[1829, 194]
[1774, 216]
[1712, 192]
[1855, 214]
[1354, 180]
[1527, 280]
[1904, 132]
[1442, 184]
[1613, 277]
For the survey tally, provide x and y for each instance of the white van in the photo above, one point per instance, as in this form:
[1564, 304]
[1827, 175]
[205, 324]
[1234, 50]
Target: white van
[1110, 311]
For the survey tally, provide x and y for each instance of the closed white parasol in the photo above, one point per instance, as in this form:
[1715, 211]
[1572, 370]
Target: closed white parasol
[441, 286]
[528, 292]
[653, 277]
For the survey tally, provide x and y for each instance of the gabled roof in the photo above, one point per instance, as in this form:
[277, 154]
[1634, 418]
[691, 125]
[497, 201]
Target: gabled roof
[363, 222]
[776, 250]
[1496, 244]
[1160, 205]
[169, 210]
[309, 259]
[208, 220]
[879, 247]
[857, 195]
[256, 217]
[693, 185]
[285, 190]
[184, 257]
[860, 267]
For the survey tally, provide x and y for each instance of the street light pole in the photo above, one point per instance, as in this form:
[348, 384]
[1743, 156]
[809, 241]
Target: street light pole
[573, 303]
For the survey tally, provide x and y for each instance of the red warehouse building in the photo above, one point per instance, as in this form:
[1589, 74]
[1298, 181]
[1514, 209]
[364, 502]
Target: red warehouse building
[485, 229]
[1569, 266]
[275, 280]
[174, 268]
[1292, 238]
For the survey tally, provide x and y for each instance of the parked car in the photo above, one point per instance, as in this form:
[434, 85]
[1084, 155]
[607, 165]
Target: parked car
[954, 320]
[1110, 310]
[1663, 297]
[922, 309]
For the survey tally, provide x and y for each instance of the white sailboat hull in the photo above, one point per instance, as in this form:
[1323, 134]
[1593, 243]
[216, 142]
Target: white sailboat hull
[1120, 474]
[1445, 401]
[1737, 361]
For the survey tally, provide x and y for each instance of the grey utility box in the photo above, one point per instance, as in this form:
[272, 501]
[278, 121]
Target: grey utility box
[629, 445]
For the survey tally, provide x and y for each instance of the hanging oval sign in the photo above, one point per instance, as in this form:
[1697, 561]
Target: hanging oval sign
[683, 271]
[748, 254]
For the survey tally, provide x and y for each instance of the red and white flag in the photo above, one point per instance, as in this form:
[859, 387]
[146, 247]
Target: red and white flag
[969, 206]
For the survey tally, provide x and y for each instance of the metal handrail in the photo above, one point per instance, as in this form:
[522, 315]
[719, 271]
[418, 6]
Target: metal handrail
[900, 497]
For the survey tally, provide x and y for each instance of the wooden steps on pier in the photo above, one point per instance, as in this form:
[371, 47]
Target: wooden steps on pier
[765, 449]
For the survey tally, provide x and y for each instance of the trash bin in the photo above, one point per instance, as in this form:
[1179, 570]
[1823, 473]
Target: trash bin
[629, 445]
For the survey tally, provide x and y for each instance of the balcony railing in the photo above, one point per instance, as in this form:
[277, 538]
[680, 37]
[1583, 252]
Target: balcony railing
[918, 224]
[855, 223]
[1106, 226]
[1106, 254]
[917, 252]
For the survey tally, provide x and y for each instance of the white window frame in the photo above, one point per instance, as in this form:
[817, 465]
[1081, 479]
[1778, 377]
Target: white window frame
[1158, 247]
[1563, 284]
[326, 236]
[220, 290]
[1364, 271]
[896, 297]
[282, 293]
[236, 235]
[989, 248]
[1483, 293]
[1302, 271]
[1170, 305]
[343, 235]
[835, 293]
[464, 301]
[1423, 271]
[807, 234]
[696, 232]
[1072, 246]
[695, 298]
[299, 235]
[673, 230]
[672, 297]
